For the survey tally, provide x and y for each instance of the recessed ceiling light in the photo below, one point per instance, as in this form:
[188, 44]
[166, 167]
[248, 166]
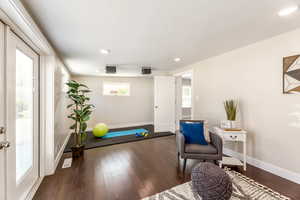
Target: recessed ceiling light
[177, 59]
[105, 51]
[288, 11]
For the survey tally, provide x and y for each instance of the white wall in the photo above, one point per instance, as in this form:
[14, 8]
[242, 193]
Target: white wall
[61, 122]
[118, 111]
[253, 75]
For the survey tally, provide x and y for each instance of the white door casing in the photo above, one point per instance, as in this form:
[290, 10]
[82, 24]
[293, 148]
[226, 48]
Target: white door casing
[164, 103]
[178, 93]
[2, 112]
[20, 189]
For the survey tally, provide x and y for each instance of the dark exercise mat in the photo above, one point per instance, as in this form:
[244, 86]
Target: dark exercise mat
[93, 142]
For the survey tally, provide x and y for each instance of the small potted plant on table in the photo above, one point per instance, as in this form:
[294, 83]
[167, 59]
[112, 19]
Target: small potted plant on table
[80, 114]
[231, 113]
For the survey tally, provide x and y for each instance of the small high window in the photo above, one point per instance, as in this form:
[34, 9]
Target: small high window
[116, 89]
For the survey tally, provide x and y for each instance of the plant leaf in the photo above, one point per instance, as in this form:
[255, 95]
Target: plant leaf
[82, 85]
[70, 105]
[73, 126]
[83, 126]
[86, 118]
[85, 91]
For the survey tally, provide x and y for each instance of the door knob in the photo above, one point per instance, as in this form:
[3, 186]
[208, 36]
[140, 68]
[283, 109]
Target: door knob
[4, 145]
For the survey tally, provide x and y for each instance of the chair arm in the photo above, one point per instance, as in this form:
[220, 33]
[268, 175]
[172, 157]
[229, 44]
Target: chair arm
[180, 142]
[217, 142]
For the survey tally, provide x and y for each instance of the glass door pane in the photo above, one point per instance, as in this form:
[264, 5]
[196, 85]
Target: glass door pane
[24, 114]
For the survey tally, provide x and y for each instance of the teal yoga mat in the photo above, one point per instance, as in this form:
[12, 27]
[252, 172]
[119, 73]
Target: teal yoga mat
[122, 133]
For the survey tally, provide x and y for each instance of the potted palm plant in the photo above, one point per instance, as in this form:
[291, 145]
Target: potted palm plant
[231, 107]
[80, 114]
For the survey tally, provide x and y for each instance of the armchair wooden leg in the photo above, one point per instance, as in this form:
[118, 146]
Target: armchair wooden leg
[184, 166]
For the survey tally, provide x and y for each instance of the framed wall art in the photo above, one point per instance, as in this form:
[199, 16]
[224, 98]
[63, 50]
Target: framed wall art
[291, 74]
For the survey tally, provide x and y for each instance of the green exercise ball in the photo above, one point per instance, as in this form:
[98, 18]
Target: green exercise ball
[100, 130]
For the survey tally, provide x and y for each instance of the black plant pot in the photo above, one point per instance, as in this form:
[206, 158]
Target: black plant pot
[77, 151]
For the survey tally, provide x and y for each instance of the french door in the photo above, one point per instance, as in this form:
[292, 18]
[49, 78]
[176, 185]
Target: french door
[21, 108]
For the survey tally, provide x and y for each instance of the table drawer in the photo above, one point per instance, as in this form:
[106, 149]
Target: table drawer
[234, 137]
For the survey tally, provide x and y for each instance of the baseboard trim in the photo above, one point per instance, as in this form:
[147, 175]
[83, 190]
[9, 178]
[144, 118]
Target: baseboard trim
[34, 188]
[284, 173]
[123, 125]
[60, 153]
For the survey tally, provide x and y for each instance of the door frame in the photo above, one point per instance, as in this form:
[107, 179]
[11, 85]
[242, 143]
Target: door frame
[14, 15]
[2, 107]
[178, 100]
[193, 90]
[13, 43]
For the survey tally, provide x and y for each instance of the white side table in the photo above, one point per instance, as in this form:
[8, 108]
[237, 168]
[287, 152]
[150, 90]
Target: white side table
[233, 136]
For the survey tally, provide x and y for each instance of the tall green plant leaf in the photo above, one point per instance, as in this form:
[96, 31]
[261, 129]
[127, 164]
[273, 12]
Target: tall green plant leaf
[231, 109]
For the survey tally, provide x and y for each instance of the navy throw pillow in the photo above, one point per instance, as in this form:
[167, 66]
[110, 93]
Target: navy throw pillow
[193, 132]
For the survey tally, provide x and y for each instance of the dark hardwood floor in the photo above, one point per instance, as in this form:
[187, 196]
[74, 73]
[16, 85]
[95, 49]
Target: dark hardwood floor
[132, 171]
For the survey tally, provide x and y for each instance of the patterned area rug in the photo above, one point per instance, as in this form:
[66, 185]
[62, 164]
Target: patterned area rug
[244, 188]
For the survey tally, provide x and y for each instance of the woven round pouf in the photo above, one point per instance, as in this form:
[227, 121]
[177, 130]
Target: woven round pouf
[211, 182]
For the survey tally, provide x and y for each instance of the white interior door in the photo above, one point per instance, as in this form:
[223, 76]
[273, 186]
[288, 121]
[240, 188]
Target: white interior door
[2, 114]
[164, 103]
[21, 117]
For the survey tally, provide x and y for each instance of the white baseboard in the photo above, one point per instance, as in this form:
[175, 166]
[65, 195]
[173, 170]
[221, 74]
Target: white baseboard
[284, 173]
[60, 153]
[34, 189]
[123, 125]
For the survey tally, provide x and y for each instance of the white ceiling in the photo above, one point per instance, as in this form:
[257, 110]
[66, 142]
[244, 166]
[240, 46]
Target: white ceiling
[154, 32]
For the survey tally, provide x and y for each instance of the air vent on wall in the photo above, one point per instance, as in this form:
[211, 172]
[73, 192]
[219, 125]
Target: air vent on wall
[146, 70]
[111, 69]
